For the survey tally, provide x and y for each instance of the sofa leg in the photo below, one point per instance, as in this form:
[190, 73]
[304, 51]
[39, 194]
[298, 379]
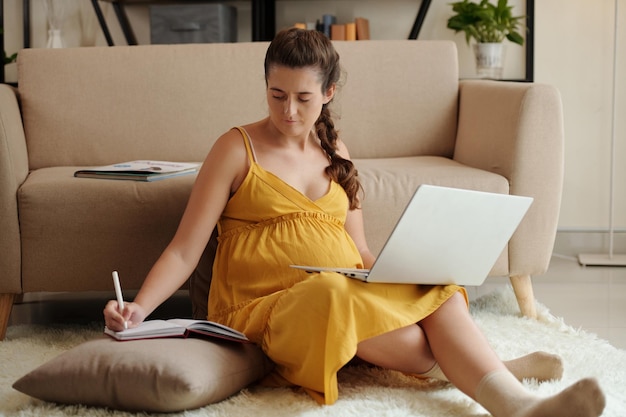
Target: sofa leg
[6, 305]
[523, 288]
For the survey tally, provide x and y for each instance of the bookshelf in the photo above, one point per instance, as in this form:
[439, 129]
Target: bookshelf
[263, 22]
[263, 18]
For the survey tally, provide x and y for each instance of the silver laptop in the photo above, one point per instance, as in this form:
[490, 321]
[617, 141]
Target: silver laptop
[444, 236]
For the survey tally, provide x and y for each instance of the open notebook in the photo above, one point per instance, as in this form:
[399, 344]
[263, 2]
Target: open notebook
[444, 236]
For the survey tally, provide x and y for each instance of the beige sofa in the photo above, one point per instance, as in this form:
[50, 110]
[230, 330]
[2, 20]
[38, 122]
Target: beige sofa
[402, 111]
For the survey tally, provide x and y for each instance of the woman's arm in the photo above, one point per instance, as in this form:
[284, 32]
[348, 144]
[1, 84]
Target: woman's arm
[356, 230]
[354, 221]
[222, 171]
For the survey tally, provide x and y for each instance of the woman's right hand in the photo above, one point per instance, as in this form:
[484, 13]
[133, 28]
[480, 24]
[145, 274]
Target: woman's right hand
[132, 315]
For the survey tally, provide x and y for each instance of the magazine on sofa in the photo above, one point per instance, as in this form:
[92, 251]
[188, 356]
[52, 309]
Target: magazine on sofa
[154, 329]
[139, 170]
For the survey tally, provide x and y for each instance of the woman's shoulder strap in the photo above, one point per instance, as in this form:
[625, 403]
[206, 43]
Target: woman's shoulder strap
[248, 143]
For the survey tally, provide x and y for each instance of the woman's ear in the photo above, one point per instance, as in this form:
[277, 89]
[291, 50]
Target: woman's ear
[330, 93]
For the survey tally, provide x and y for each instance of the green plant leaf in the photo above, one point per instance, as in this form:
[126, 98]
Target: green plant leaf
[8, 59]
[515, 38]
[485, 22]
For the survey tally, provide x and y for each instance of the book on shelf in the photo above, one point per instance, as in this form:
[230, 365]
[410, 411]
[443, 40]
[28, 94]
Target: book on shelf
[357, 30]
[351, 31]
[362, 28]
[328, 20]
[181, 328]
[305, 25]
[343, 32]
[338, 32]
[139, 170]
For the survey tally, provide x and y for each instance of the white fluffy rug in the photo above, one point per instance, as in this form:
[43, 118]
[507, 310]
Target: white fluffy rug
[363, 392]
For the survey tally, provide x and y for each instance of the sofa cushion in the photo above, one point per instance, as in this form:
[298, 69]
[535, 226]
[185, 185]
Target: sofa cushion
[399, 99]
[58, 206]
[178, 99]
[75, 231]
[172, 104]
[156, 375]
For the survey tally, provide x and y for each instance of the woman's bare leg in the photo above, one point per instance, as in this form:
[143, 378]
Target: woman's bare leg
[405, 350]
[460, 348]
[466, 357]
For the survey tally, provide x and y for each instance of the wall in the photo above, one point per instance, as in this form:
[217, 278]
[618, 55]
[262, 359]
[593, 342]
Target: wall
[573, 51]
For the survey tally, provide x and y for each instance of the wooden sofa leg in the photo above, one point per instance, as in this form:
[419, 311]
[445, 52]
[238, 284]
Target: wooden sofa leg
[6, 304]
[523, 288]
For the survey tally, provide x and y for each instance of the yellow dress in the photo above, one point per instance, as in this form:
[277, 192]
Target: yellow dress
[309, 325]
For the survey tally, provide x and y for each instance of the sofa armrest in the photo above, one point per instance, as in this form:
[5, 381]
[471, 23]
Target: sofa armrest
[516, 130]
[13, 172]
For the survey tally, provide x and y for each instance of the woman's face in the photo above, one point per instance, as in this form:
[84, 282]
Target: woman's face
[295, 99]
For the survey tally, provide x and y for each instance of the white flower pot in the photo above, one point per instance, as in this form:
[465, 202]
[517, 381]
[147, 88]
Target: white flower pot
[55, 40]
[55, 14]
[489, 60]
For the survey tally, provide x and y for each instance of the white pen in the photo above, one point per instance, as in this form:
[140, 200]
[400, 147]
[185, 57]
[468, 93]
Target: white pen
[118, 294]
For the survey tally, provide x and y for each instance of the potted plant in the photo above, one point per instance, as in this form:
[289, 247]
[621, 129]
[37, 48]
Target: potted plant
[488, 25]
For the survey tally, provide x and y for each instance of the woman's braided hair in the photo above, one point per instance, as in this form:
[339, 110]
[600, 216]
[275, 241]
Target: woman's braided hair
[299, 48]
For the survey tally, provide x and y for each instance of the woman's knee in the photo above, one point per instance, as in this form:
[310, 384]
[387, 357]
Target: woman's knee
[454, 306]
[456, 301]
